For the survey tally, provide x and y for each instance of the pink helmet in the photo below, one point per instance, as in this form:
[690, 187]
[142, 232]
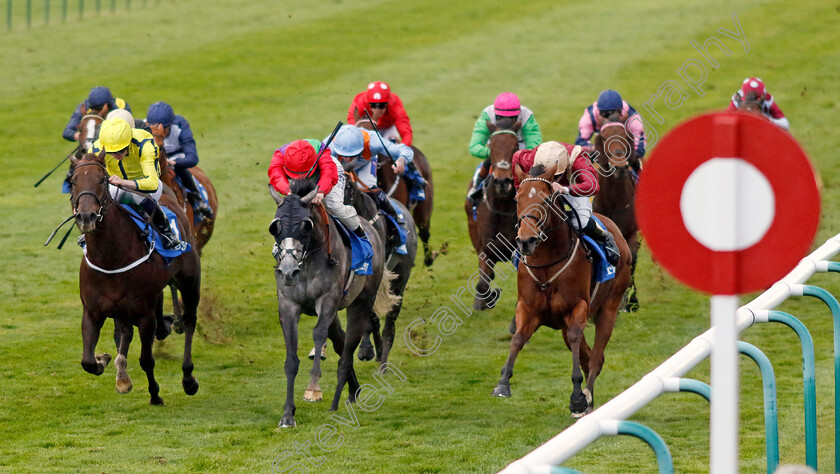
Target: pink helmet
[753, 84]
[507, 104]
[378, 91]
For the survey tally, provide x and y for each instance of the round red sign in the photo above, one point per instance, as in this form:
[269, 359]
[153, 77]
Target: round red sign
[728, 203]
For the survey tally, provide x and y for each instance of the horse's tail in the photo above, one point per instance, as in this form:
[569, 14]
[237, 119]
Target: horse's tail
[385, 299]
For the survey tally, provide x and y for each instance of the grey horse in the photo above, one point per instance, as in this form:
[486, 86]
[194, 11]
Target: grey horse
[307, 283]
[399, 264]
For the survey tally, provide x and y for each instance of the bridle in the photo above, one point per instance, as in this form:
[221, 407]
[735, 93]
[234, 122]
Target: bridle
[100, 213]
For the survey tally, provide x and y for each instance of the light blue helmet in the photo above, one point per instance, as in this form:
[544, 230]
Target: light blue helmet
[160, 113]
[610, 100]
[348, 141]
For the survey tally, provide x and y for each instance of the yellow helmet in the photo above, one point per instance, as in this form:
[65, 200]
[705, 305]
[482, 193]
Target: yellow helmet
[114, 134]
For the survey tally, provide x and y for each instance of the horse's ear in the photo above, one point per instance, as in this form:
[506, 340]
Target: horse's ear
[309, 197]
[550, 171]
[520, 174]
[74, 162]
[274, 227]
[278, 198]
[101, 156]
[517, 126]
[306, 226]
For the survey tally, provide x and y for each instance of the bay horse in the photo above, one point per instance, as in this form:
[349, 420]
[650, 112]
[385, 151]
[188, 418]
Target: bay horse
[491, 224]
[395, 186]
[556, 288]
[307, 283]
[615, 159]
[121, 278]
[400, 264]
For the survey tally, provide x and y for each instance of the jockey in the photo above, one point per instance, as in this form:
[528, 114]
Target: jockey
[575, 177]
[99, 102]
[173, 133]
[391, 120]
[357, 149]
[302, 159]
[506, 105]
[593, 117]
[131, 160]
[769, 108]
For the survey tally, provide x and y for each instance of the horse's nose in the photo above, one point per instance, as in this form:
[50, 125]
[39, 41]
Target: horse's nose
[527, 246]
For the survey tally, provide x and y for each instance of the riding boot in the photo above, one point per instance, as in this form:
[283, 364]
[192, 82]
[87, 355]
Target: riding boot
[195, 198]
[159, 220]
[605, 239]
[480, 175]
[385, 205]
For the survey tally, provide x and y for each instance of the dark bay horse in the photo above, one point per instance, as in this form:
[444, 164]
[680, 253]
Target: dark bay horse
[615, 159]
[121, 278]
[307, 283]
[396, 187]
[401, 265]
[491, 225]
[556, 288]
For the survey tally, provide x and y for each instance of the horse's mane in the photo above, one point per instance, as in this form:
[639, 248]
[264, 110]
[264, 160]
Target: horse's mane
[506, 123]
[537, 170]
[302, 187]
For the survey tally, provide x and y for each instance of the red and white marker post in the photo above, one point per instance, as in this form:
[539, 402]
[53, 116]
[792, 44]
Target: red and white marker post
[728, 204]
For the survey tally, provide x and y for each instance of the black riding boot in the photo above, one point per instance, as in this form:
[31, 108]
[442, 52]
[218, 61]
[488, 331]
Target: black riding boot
[194, 195]
[384, 204]
[159, 220]
[605, 238]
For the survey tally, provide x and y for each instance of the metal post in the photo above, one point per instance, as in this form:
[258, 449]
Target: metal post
[808, 385]
[695, 386]
[663, 456]
[834, 306]
[771, 420]
[723, 430]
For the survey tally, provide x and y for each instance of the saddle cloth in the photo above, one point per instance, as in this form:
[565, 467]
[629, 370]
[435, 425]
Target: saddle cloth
[152, 235]
[361, 252]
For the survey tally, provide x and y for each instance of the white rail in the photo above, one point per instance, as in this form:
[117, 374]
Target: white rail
[586, 430]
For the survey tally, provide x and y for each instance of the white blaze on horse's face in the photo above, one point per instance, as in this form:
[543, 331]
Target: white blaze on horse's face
[88, 133]
[533, 191]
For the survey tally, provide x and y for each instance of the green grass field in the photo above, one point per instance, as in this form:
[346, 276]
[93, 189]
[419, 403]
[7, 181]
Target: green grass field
[251, 76]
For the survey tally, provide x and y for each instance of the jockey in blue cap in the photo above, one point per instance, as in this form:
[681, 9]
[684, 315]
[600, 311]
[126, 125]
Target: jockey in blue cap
[608, 103]
[181, 154]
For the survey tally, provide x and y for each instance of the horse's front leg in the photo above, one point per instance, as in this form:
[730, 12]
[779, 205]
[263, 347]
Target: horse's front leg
[189, 317]
[289, 319]
[91, 326]
[526, 325]
[124, 384]
[575, 324]
[327, 310]
[486, 297]
[147, 360]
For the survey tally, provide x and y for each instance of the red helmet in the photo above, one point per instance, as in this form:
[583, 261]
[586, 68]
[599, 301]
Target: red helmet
[378, 91]
[753, 84]
[300, 159]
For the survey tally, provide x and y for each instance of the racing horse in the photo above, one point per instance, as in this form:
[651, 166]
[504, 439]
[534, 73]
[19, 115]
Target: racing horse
[121, 278]
[491, 222]
[308, 283]
[556, 287]
[400, 264]
[615, 159]
[396, 187]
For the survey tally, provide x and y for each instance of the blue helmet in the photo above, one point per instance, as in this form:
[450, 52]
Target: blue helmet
[160, 112]
[349, 141]
[610, 100]
[99, 96]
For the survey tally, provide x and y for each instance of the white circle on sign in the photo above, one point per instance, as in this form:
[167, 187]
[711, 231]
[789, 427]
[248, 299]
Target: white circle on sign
[727, 204]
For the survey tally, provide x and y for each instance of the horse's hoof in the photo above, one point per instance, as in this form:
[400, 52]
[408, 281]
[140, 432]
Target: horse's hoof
[502, 391]
[102, 361]
[632, 307]
[494, 297]
[124, 386]
[287, 422]
[164, 330]
[366, 352]
[190, 385]
[156, 401]
[177, 326]
[312, 395]
[578, 405]
[323, 353]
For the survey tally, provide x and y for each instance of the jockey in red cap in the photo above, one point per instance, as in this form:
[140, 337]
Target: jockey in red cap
[753, 88]
[387, 111]
[303, 159]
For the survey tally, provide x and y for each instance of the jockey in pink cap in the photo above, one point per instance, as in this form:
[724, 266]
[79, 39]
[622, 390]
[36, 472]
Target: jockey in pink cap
[506, 105]
[753, 88]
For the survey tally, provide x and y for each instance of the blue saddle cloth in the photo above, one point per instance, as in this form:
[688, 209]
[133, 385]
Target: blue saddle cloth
[153, 235]
[415, 191]
[602, 268]
[360, 250]
[401, 249]
[201, 190]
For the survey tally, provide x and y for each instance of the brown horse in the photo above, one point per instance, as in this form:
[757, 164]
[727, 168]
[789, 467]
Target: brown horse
[396, 187]
[203, 227]
[556, 286]
[121, 278]
[491, 222]
[615, 158]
